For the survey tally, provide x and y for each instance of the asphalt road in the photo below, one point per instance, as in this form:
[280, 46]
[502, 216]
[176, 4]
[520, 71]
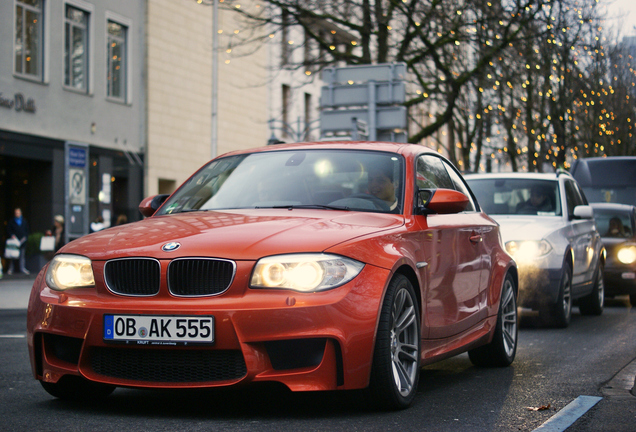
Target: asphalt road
[553, 368]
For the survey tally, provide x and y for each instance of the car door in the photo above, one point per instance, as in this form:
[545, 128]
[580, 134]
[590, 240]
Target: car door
[484, 232]
[454, 260]
[582, 235]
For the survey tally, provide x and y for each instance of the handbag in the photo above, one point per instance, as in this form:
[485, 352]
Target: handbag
[47, 244]
[12, 249]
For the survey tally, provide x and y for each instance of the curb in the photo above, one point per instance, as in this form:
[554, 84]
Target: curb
[623, 384]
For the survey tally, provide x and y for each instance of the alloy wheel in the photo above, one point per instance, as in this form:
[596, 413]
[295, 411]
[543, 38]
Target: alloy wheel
[404, 342]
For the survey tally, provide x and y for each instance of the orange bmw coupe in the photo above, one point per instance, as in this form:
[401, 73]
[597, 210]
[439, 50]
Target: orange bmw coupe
[321, 266]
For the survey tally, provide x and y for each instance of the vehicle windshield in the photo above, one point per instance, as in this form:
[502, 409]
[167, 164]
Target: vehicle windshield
[611, 223]
[338, 179]
[504, 196]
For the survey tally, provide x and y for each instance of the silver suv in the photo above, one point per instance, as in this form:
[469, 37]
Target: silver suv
[549, 228]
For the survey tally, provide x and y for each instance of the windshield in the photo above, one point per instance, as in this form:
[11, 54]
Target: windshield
[339, 179]
[503, 196]
[612, 223]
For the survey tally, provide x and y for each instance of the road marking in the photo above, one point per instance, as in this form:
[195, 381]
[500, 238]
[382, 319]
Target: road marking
[568, 415]
[13, 336]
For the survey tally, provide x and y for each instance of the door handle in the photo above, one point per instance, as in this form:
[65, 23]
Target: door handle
[475, 238]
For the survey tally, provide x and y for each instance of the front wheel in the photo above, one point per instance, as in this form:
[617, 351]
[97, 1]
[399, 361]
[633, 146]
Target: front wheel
[560, 313]
[396, 359]
[593, 303]
[501, 351]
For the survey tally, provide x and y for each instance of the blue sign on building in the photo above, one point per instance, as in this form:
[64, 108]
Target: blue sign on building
[76, 157]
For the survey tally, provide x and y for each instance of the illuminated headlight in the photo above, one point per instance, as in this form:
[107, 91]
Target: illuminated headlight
[304, 272]
[70, 271]
[627, 254]
[528, 250]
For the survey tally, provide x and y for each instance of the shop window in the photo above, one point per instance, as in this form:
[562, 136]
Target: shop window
[28, 43]
[76, 48]
[117, 60]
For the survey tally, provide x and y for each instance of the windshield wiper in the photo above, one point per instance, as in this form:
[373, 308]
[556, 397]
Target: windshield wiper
[191, 210]
[308, 206]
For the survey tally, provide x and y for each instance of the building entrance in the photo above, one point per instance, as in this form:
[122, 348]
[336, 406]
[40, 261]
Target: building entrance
[27, 184]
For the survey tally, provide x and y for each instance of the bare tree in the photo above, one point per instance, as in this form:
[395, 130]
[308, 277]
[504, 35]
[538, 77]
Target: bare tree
[445, 44]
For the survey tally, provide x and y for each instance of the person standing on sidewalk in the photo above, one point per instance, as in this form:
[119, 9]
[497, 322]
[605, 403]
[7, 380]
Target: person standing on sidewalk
[18, 228]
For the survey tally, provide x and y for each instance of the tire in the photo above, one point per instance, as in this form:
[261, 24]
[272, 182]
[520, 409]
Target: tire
[501, 351]
[559, 314]
[77, 389]
[396, 358]
[593, 303]
[632, 299]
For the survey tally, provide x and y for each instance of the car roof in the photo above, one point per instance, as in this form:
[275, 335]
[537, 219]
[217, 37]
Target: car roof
[402, 148]
[614, 171]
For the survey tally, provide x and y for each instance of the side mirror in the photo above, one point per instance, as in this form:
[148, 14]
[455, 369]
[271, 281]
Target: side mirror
[441, 201]
[149, 206]
[583, 212]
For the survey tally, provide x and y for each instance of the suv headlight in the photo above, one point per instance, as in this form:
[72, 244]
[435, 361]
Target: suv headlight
[304, 272]
[70, 271]
[627, 254]
[528, 250]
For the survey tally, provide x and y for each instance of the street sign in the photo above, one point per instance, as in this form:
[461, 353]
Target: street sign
[372, 94]
[391, 117]
[364, 73]
[76, 181]
[76, 186]
[341, 95]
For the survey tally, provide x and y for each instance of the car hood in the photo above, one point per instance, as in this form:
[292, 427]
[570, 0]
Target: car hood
[527, 228]
[244, 234]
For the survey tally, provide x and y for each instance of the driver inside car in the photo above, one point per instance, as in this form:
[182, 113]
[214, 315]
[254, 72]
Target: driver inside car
[381, 185]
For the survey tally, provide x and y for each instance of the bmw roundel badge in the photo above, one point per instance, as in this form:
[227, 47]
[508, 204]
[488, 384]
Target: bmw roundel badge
[169, 247]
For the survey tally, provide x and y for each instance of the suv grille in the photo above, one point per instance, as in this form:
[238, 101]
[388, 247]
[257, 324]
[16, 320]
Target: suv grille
[133, 276]
[168, 365]
[199, 276]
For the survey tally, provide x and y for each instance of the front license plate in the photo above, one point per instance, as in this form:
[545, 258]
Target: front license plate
[159, 329]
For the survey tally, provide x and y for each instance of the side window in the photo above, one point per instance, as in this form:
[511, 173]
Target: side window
[459, 184]
[579, 191]
[431, 174]
[572, 196]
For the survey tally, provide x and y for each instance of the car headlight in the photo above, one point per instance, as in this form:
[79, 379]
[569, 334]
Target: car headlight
[627, 254]
[528, 250]
[70, 271]
[304, 272]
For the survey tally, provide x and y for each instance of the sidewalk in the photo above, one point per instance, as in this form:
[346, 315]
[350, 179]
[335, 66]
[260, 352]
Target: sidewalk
[15, 290]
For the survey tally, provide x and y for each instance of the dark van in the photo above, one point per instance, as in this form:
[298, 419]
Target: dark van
[609, 179]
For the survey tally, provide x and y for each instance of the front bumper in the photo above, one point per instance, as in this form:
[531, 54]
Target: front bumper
[538, 287]
[315, 341]
[619, 279]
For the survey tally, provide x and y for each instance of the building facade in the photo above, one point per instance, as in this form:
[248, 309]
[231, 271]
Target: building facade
[180, 38]
[71, 110]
